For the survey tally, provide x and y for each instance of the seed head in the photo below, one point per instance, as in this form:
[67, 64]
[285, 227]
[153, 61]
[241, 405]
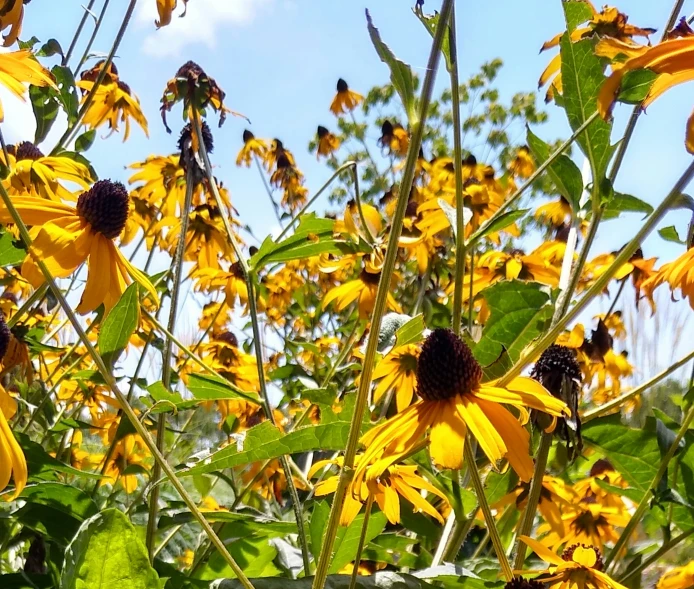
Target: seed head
[105, 206]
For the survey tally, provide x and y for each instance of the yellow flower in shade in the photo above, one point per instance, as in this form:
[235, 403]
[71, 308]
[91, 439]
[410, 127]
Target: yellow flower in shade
[345, 100]
[65, 236]
[554, 212]
[363, 290]
[453, 401]
[252, 147]
[678, 274]
[397, 372]
[11, 15]
[523, 165]
[678, 578]
[394, 139]
[34, 174]
[232, 281]
[129, 451]
[579, 567]
[114, 103]
[277, 150]
[19, 68]
[385, 490]
[12, 461]
[165, 9]
[327, 142]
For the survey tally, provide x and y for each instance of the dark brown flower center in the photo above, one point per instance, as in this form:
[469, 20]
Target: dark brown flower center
[5, 336]
[247, 136]
[555, 363]
[28, 151]
[446, 367]
[190, 70]
[237, 270]
[521, 583]
[342, 85]
[369, 277]
[601, 467]
[105, 206]
[322, 132]
[228, 338]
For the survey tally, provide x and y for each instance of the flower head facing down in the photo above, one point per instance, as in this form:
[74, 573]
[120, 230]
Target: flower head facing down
[11, 16]
[327, 142]
[345, 99]
[165, 10]
[252, 148]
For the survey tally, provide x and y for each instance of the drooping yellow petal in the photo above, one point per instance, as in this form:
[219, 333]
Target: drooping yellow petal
[488, 438]
[16, 456]
[542, 551]
[98, 276]
[447, 436]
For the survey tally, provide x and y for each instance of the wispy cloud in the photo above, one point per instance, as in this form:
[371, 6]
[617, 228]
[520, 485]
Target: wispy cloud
[201, 25]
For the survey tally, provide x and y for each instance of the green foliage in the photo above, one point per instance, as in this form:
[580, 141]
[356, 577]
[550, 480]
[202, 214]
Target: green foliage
[119, 325]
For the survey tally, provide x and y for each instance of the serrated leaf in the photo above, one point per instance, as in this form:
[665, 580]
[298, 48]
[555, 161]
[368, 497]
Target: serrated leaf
[502, 221]
[11, 252]
[165, 401]
[347, 538]
[670, 234]
[119, 325]
[582, 76]
[635, 86]
[519, 313]
[107, 552]
[243, 523]
[45, 106]
[563, 171]
[625, 203]
[431, 22]
[206, 387]
[576, 13]
[451, 215]
[400, 73]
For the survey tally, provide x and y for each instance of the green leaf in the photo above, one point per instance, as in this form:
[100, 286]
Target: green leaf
[119, 325]
[625, 203]
[636, 85]
[347, 538]
[45, 106]
[670, 234]
[379, 580]
[563, 171]
[67, 94]
[576, 13]
[206, 387]
[411, 332]
[66, 498]
[431, 23]
[313, 236]
[519, 313]
[400, 73]
[42, 466]
[391, 323]
[85, 140]
[316, 526]
[582, 76]
[503, 221]
[108, 552]
[244, 524]
[50, 48]
[165, 401]
[451, 215]
[25, 581]
[11, 251]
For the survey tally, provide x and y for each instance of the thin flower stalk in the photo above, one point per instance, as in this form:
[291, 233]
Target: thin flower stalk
[662, 551]
[357, 197]
[95, 32]
[407, 180]
[78, 33]
[362, 541]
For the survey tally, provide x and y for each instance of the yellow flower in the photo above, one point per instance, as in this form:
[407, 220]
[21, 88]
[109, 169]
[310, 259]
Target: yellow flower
[113, 103]
[277, 150]
[453, 401]
[165, 9]
[397, 371]
[232, 281]
[579, 567]
[678, 578]
[678, 274]
[34, 174]
[523, 164]
[19, 68]
[65, 236]
[394, 138]
[11, 15]
[12, 461]
[363, 290]
[555, 212]
[164, 182]
[345, 100]
[129, 451]
[327, 142]
[383, 489]
[252, 147]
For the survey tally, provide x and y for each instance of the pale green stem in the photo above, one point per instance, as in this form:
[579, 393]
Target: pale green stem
[268, 190]
[664, 549]
[35, 296]
[357, 197]
[347, 472]
[362, 541]
[95, 32]
[78, 32]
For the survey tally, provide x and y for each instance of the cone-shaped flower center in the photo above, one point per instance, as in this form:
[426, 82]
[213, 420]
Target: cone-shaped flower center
[521, 583]
[587, 556]
[105, 206]
[342, 85]
[190, 70]
[446, 367]
[5, 336]
[555, 363]
[247, 136]
[26, 150]
[228, 338]
[185, 140]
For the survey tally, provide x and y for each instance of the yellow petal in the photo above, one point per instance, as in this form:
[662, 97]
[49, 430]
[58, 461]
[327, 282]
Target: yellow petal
[544, 553]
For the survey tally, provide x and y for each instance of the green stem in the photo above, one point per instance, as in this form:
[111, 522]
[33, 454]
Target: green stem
[616, 298]
[486, 511]
[645, 500]
[120, 397]
[461, 528]
[664, 549]
[95, 32]
[78, 32]
[362, 541]
[253, 311]
[357, 197]
[35, 296]
[347, 472]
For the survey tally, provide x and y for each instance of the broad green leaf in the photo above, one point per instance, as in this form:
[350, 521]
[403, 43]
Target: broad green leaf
[347, 538]
[451, 215]
[206, 387]
[625, 203]
[582, 75]
[106, 553]
[316, 526]
[431, 23]
[49, 522]
[313, 236]
[670, 234]
[45, 106]
[502, 221]
[396, 550]
[85, 140]
[636, 85]
[576, 13]
[50, 48]
[119, 325]
[165, 401]
[11, 251]
[400, 73]
[265, 441]
[42, 466]
[66, 498]
[67, 91]
[244, 524]
[563, 171]
[411, 332]
[254, 555]
[519, 313]
[379, 580]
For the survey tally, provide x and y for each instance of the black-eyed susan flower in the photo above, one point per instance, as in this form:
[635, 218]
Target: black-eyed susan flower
[19, 68]
[453, 401]
[361, 289]
[34, 174]
[345, 100]
[163, 182]
[196, 90]
[277, 150]
[397, 372]
[129, 451]
[165, 9]
[113, 103]
[385, 490]
[189, 150]
[523, 165]
[521, 583]
[579, 567]
[678, 578]
[232, 281]
[11, 15]
[679, 274]
[555, 212]
[65, 236]
[394, 138]
[252, 148]
[327, 142]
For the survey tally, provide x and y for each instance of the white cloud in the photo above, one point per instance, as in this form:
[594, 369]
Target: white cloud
[200, 25]
[20, 124]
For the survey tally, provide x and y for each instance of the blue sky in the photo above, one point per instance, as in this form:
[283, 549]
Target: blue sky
[278, 61]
